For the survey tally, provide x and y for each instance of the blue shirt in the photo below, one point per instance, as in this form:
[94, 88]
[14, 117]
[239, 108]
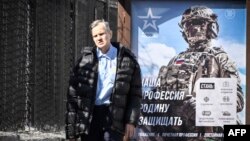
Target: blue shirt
[106, 75]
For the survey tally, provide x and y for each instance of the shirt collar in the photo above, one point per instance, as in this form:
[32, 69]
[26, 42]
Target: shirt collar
[109, 55]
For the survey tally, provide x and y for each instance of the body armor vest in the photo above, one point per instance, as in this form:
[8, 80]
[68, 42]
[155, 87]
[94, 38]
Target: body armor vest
[181, 74]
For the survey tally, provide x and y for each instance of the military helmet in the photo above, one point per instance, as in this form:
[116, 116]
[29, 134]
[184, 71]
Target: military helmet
[200, 13]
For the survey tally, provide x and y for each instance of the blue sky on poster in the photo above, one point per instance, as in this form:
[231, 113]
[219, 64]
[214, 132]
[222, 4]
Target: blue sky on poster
[162, 18]
[169, 41]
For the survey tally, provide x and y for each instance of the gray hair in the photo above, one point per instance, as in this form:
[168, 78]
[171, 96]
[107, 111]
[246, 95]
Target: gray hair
[97, 22]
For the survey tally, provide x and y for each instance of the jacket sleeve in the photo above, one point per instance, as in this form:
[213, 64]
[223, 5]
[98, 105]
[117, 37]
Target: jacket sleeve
[135, 96]
[71, 107]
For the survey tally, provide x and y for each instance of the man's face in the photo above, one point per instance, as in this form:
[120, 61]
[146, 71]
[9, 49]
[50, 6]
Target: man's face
[101, 37]
[196, 30]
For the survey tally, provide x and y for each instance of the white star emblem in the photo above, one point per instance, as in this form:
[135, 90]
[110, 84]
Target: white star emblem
[149, 16]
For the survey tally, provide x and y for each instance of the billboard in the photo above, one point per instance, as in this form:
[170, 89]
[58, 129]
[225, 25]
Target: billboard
[193, 60]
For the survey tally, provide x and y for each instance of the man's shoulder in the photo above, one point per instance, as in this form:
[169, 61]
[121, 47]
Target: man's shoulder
[123, 50]
[84, 58]
[87, 49]
[129, 52]
[216, 50]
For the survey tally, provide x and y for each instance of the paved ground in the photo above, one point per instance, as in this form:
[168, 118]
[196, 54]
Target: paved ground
[31, 136]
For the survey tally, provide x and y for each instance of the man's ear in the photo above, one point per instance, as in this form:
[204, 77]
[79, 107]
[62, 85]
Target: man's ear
[110, 34]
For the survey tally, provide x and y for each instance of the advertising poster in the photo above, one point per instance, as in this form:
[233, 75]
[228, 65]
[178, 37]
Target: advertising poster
[193, 60]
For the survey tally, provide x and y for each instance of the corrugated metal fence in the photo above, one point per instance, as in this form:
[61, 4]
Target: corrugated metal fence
[39, 43]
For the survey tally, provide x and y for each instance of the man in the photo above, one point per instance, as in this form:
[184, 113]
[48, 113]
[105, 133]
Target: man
[201, 60]
[104, 96]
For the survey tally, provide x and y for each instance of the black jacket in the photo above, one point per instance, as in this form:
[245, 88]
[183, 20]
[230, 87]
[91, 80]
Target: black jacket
[126, 94]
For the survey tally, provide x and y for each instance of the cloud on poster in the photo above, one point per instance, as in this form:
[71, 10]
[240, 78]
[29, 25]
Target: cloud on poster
[155, 55]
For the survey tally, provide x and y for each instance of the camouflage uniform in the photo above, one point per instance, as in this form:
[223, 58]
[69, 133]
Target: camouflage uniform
[200, 60]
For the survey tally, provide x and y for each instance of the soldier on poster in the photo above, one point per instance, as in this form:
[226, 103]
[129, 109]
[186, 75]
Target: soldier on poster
[201, 60]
